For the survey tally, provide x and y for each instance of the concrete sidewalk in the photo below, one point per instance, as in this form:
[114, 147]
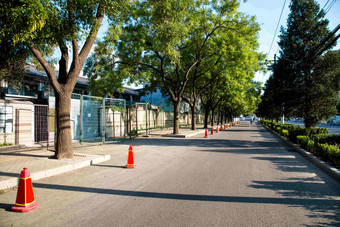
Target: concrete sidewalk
[41, 165]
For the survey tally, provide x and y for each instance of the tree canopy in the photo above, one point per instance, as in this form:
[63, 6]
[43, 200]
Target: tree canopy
[176, 44]
[69, 25]
[303, 81]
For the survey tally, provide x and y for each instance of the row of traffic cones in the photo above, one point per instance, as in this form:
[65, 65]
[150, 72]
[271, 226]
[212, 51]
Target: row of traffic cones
[220, 128]
[25, 197]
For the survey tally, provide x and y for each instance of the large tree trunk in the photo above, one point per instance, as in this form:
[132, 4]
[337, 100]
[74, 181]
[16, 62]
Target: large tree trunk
[212, 117]
[206, 115]
[64, 137]
[176, 117]
[193, 116]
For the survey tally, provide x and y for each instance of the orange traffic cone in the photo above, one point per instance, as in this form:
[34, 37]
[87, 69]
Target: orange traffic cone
[221, 128]
[212, 131]
[25, 197]
[206, 133]
[130, 162]
[225, 126]
[217, 129]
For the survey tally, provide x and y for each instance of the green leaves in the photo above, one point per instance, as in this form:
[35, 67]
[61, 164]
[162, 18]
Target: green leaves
[22, 19]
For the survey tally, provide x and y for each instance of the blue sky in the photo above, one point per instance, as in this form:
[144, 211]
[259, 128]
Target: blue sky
[267, 13]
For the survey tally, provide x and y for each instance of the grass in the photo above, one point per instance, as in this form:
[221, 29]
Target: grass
[5, 144]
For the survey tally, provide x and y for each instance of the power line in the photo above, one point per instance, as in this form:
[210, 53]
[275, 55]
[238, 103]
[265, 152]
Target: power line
[330, 6]
[278, 23]
[325, 5]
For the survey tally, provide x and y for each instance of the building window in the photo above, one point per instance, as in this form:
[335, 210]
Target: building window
[6, 119]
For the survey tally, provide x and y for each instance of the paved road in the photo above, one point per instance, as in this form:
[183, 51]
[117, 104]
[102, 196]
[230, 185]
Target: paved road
[239, 177]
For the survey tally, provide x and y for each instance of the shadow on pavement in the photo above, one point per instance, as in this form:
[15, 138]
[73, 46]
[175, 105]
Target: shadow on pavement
[23, 154]
[316, 188]
[9, 174]
[322, 203]
[205, 142]
[109, 166]
[6, 207]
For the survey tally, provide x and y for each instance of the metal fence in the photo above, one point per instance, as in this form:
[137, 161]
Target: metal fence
[92, 119]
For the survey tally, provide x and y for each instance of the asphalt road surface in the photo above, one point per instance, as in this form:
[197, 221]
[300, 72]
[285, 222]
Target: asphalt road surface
[240, 177]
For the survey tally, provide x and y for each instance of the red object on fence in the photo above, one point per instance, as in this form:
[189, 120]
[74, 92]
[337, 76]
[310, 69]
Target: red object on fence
[130, 162]
[25, 197]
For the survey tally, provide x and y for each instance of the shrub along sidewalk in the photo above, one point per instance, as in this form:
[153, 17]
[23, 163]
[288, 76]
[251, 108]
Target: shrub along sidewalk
[315, 140]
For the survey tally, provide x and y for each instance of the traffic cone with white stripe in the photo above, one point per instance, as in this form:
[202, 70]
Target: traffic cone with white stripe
[130, 162]
[206, 133]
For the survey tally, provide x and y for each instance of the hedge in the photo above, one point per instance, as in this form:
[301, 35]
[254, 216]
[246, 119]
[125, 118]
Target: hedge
[315, 140]
[329, 153]
[333, 139]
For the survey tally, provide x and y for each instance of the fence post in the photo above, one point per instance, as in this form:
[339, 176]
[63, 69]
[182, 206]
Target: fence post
[81, 118]
[17, 126]
[103, 121]
[136, 119]
[5, 136]
[146, 119]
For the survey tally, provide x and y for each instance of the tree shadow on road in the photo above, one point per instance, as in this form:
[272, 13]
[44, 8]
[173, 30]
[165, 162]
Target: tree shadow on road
[327, 203]
[318, 188]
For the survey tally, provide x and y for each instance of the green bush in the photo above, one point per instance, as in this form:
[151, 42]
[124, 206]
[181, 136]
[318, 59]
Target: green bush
[5, 144]
[329, 153]
[278, 129]
[285, 133]
[311, 146]
[302, 140]
[296, 131]
[306, 143]
[315, 140]
[333, 139]
[303, 131]
[133, 133]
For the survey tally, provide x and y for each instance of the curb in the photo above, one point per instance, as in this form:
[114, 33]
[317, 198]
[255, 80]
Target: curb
[330, 170]
[182, 135]
[95, 159]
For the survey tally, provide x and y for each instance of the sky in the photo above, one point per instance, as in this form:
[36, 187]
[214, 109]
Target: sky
[267, 13]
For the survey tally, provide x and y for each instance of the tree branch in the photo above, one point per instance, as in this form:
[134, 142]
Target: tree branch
[47, 67]
[63, 62]
[91, 38]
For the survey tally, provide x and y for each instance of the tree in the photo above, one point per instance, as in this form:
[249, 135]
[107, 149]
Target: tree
[306, 33]
[236, 47]
[12, 57]
[169, 41]
[100, 68]
[65, 24]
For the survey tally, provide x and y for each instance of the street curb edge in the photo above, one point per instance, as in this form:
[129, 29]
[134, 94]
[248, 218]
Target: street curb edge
[330, 170]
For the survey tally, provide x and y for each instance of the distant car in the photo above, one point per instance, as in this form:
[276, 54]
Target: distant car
[334, 120]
